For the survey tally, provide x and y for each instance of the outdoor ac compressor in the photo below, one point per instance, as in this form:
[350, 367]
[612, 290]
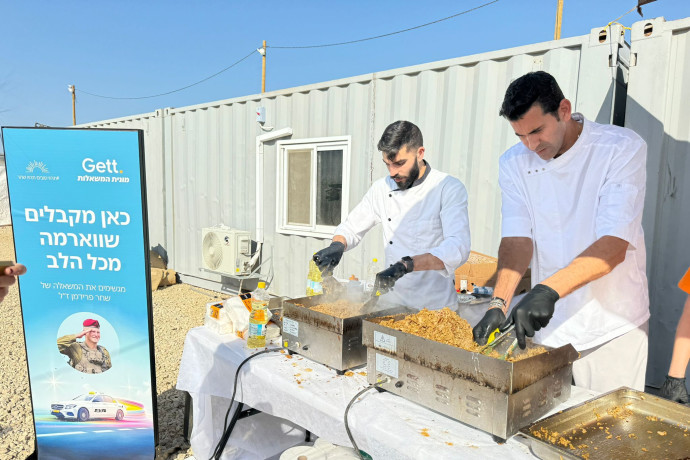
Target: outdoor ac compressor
[226, 250]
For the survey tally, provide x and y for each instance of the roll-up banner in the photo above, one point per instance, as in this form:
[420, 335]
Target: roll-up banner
[78, 207]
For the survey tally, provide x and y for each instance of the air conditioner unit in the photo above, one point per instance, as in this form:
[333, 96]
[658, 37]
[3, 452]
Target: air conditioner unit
[226, 250]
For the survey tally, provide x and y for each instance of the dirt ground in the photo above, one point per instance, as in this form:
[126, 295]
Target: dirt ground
[176, 309]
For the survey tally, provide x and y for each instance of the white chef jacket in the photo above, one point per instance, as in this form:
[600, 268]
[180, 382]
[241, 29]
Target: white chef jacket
[594, 189]
[430, 217]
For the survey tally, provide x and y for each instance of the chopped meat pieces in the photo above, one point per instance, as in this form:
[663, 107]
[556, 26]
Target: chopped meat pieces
[620, 413]
[447, 327]
[443, 326]
[339, 309]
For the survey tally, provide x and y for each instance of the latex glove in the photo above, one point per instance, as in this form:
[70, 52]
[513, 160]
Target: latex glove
[674, 389]
[532, 313]
[492, 319]
[387, 278]
[328, 258]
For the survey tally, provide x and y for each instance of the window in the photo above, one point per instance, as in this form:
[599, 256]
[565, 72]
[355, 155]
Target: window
[312, 184]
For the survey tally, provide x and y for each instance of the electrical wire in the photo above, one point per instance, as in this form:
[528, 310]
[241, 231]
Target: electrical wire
[347, 409]
[385, 35]
[175, 90]
[621, 16]
[289, 47]
[218, 451]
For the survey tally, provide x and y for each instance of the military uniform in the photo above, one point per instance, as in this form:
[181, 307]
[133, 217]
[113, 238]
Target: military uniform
[83, 358]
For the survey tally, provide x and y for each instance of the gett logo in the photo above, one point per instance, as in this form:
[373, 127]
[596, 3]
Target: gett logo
[89, 165]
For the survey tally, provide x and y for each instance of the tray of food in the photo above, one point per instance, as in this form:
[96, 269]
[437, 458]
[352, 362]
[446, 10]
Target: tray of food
[327, 330]
[430, 358]
[624, 423]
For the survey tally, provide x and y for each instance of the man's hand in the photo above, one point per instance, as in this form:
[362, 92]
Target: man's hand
[674, 390]
[532, 313]
[8, 278]
[85, 331]
[328, 258]
[492, 319]
[387, 278]
[82, 333]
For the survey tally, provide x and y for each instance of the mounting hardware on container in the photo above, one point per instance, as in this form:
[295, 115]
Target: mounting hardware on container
[261, 114]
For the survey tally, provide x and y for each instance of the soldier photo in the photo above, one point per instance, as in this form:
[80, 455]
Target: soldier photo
[86, 356]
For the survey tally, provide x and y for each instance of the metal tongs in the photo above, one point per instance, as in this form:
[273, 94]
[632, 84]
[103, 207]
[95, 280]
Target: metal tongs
[331, 286]
[370, 304]
[489, 347]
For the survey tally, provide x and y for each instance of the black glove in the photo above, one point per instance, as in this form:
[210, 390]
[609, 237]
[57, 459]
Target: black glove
[493, 318]
[532, 313]
[387, 278]
[327, 258]
[674, 389]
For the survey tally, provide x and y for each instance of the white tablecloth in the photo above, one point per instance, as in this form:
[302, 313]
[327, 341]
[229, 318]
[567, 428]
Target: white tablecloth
[314, 397]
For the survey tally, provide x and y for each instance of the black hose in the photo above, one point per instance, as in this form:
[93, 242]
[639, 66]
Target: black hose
[220, 447]
[347, 409]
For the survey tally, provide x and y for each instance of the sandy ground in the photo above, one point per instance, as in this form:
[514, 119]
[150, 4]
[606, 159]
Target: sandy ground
[176, 309]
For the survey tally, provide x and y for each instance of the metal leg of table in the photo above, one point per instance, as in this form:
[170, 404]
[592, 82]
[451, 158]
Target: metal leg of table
[186, 422]
[239, 414]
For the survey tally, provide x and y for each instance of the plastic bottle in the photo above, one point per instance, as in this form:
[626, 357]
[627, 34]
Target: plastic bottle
[373, 268]
[258, 317]
[314, 280]
[483, 290]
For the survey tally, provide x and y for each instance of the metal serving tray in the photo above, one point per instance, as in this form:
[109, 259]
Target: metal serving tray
[624, 423]
[495, 396]
[330, 340]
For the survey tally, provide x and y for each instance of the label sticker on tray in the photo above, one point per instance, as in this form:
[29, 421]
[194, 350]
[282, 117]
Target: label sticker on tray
[384, 341]
[290, 326]
[388, 366]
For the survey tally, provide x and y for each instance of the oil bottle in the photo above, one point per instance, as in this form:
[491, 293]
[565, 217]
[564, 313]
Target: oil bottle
[258, 317]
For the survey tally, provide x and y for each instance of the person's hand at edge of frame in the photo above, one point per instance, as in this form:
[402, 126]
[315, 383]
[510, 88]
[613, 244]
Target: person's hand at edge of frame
[8, 276]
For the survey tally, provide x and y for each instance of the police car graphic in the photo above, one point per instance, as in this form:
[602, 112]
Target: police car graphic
[87, 407]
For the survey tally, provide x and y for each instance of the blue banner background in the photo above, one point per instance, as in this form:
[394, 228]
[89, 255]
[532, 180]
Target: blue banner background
[44, 167]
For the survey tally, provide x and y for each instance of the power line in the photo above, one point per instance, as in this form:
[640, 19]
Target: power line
[293, 47]
[175, 90]
[388, 34]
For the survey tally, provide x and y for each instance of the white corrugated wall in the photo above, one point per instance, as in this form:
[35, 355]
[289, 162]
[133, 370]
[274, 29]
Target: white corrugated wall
[658, 108]
[201, 159]
[152, 126]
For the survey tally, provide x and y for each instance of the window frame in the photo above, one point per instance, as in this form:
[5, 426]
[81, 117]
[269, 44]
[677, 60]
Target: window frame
[315, 145]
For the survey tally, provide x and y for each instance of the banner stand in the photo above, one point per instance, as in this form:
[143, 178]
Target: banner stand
[78, 207]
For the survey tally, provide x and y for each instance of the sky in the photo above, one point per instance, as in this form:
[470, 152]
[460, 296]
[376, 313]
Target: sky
[141, 48]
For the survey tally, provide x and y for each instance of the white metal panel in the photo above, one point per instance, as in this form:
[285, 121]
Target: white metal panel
[208, 150]
[152, 125]
[657, 108]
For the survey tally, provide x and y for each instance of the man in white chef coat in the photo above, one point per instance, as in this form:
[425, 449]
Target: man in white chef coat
[423, 214]
[573, 192]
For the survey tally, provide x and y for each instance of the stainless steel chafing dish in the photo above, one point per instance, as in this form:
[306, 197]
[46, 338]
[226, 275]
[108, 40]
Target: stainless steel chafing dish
[490, 394]
[327, 339]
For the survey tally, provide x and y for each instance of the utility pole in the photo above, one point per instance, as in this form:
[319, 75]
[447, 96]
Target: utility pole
[559, 19]
[74, 103]
[263, 68]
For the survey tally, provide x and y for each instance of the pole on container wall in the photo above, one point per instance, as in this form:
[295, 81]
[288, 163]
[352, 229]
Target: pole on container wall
[559, 19]
[263, 69]
[72, 90]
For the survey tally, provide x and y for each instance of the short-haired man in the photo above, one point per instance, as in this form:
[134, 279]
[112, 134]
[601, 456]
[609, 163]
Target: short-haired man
[86, 356]
[423, 214]
[573, 192]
